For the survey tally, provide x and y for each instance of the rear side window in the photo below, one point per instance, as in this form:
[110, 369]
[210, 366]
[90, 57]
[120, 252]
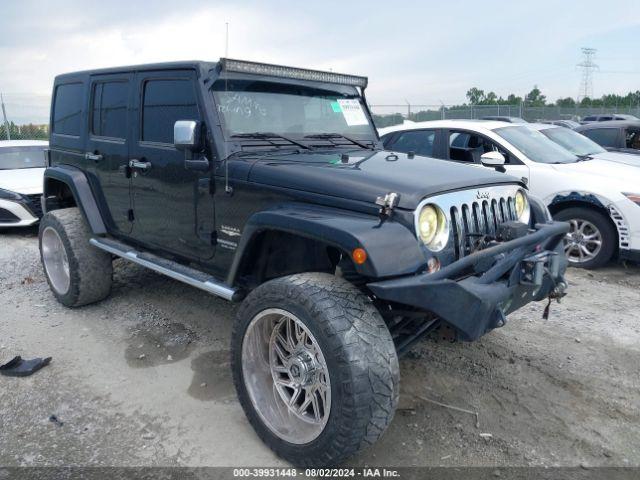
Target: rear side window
[633, 139]
[109, 109]
[590, 119]
[164, 103]
[607, 137]
[67, 109]
[418, 141]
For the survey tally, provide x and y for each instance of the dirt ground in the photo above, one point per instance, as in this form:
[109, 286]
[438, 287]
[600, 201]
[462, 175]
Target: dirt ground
[142, 379]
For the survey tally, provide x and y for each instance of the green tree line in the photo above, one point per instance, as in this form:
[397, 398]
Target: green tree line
[24, 132]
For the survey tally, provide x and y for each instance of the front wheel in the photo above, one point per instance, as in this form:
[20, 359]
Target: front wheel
[315, 368]
[592, 239]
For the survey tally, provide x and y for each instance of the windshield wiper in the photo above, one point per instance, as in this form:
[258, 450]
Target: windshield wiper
[268, 135]
[582, 158]
[330, 136]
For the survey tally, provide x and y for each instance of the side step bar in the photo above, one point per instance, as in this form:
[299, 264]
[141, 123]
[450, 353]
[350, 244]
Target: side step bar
[166, 267]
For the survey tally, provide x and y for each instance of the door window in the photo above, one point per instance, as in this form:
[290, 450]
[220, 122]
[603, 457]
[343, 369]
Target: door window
[109, 109]
[164, 103]
[468, 147]
[633, 139]
[418, 141]
[607, 137]
[67, 109]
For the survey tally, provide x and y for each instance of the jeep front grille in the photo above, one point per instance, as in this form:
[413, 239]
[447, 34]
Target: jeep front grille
[475, 213]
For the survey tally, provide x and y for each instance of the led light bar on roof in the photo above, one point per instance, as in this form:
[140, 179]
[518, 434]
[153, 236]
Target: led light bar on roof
[241, 66]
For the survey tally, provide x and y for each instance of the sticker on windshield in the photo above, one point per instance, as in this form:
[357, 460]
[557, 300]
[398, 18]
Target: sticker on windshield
[352, 111]
[336, 107]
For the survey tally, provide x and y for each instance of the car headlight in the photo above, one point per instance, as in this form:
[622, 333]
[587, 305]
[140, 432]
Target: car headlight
[433, 227]
[634, 197]
[9, 195]
[523, 209]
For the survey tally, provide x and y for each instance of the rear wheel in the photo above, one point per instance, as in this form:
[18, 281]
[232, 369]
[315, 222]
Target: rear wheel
[592, 239]
[77, 272]
[315, 368]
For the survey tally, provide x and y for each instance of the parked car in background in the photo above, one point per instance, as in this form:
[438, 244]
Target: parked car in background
[617, 136]
[599, 198]
[583, 146]
[562, 123]
[608, 117]
[503, 118]
[22, 164]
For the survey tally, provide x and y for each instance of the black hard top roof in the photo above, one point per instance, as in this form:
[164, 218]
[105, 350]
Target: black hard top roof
[197, 64]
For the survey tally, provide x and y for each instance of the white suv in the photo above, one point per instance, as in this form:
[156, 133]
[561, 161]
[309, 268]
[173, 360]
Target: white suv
[599, 198]
[22, 165]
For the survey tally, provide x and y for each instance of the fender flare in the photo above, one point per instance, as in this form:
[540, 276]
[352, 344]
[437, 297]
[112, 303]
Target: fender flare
[78, 184]
[341, 229]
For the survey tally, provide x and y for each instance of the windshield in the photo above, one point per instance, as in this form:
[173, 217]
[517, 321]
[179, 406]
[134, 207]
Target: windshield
[535, 145]
[574, 142]
[292, 110]
[12, 158]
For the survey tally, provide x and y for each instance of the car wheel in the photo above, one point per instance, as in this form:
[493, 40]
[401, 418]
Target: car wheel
[77, 272]
[592, 239]
[315, 368]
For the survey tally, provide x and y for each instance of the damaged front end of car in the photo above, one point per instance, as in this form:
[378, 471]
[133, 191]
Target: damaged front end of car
[489, 253]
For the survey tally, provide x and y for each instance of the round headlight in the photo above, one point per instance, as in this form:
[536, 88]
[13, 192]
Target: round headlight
[433, 228]
[522, 207]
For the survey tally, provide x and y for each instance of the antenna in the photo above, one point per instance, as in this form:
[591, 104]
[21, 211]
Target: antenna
[226, 40]
[588, 67]
[4, 114]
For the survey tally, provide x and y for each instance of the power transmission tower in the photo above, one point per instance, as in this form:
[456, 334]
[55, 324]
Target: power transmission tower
[588, 67]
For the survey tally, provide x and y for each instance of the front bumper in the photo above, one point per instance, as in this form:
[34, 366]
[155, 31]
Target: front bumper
[475, 293]
[16, 213]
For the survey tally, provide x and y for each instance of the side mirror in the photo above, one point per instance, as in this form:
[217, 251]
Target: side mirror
[492, 159]
[186, 135]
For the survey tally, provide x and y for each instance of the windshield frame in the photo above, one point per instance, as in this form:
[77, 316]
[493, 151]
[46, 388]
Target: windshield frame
[572, 134]
[351, 91]
[24, 148]
[555, 152]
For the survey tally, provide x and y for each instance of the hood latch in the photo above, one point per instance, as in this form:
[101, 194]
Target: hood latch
[387, 204]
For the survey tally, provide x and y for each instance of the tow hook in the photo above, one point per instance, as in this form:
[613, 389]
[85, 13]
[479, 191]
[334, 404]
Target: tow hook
[556, 294]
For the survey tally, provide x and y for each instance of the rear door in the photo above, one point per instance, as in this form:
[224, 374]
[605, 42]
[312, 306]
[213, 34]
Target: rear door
[108, 142]
[172, 206]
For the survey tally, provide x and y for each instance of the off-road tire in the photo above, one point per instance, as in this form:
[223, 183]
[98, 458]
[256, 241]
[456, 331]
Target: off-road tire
[90, 269]
[360, 355]
[602, 223]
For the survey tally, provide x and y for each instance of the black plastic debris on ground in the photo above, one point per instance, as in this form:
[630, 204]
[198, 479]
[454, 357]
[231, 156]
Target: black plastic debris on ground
[18, 367]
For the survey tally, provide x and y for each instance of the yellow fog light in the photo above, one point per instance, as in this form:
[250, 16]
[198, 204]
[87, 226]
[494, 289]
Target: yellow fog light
[522, 207]
[433, 228]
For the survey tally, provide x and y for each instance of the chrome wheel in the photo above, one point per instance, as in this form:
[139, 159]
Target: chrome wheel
[286, 376]
[56, 262]
[583, 242]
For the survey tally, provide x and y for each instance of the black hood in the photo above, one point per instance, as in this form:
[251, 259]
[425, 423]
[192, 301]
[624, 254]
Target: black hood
[367, 175]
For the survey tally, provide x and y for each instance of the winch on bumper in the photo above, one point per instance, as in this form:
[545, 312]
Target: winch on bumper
[475, 293]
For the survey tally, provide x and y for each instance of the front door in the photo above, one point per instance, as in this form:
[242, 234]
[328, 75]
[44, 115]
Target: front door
[172, 206]
[107, 149]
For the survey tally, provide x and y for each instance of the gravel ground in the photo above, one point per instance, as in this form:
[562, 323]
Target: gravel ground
[142, 379]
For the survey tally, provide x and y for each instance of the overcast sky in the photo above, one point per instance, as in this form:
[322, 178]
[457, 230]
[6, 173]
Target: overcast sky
[426, 52]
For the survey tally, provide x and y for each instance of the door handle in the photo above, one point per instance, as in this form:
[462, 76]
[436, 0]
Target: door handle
[96, 157]
[139, 164]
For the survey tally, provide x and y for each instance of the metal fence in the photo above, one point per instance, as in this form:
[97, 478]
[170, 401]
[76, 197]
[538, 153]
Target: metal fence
[387, 115]
[26, 116]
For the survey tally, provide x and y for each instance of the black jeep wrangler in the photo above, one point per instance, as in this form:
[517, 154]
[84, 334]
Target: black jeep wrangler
[268, 185]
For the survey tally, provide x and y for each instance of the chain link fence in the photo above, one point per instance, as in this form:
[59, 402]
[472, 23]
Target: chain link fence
[387, 115]
[24, 116]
